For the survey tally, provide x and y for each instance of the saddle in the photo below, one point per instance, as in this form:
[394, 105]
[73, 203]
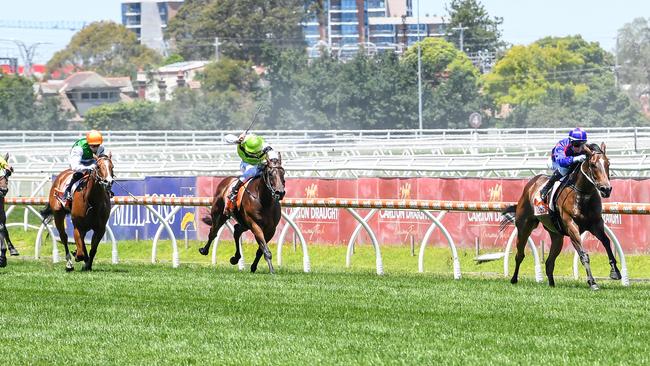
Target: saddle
[548, 213]
[59, 191]
[240, 193]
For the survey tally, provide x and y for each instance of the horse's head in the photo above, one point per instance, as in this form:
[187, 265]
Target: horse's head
[274, 175]
[598, 168]
[104, 175]
[5, 172]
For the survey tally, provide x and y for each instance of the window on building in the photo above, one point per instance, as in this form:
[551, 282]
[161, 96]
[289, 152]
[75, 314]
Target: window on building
[349, 17]
[348, 4]
[85, 96]
[104, 95]
[349, 29]
[375, 14]
[94, 95]
[374, 4]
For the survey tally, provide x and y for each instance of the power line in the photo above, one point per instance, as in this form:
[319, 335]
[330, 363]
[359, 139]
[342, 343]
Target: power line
[69, 25]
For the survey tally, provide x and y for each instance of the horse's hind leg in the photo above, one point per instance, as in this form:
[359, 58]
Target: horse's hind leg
[237, 236]
[3, 252]
[556, 247]
[599, 232]
[81, 246]
[59, 222]
[214, 229]
[524, 228]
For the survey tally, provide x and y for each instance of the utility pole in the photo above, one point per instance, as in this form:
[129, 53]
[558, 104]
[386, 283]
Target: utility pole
[462, 35]
[27, 52]
[419, 73]
[216, 48]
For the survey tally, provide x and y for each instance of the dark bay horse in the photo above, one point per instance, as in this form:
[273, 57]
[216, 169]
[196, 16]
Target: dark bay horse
[579, 208]
[4, 233]
[91, 207]
[259, 211]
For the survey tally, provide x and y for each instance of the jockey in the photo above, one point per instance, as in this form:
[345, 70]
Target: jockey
[4, 165]
[252, 150]
[82, 158]
[566, 152]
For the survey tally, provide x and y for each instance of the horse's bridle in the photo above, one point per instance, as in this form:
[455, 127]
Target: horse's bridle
[267, 181]
[102, 181]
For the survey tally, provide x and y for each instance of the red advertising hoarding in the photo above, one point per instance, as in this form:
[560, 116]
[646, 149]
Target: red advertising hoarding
[335, 226]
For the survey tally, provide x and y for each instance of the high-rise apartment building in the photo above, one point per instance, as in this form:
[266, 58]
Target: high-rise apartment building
[383, 24]
[148, 19]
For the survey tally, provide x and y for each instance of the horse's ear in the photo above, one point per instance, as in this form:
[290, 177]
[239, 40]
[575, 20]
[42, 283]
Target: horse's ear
[7, 157]
[110, 155]
[588, 150]
[602, 147]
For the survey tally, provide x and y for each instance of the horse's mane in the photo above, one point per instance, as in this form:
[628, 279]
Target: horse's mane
[595, 148]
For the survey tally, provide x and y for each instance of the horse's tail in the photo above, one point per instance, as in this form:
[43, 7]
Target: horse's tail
[508, 217]
[46, 213]
[207, 220]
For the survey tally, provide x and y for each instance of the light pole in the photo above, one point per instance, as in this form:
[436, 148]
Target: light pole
[419, 72]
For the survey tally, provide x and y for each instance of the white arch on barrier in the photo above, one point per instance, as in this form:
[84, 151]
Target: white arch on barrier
[355, 234]
[306, 264]
[533, 249]
[282, 235]
[163, 225]
[378, 261]
[170, 232]
[625, 280]
[452, 246]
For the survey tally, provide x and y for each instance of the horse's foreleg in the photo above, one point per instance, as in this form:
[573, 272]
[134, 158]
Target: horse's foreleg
[556, 247]
[12, 249]
[214, 229]
[599, 232]
[81, 253]
[263, 247]
[258, 255]
[94, 243]
[237, 236]
[574, 234]
[59, 222]
[524, 228]
[3, 251]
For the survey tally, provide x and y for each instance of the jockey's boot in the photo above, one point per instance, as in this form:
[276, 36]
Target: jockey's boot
[232, 196]
[549, 184]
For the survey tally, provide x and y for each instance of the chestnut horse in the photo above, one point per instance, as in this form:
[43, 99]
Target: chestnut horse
[91, 207]
[4, 233]
[259, 211]
[579, 207]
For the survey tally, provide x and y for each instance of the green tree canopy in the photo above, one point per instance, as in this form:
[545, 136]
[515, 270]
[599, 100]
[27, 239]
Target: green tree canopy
[634, 56]
[229, 74]
[107, 48]
[20, 110]
[482, 31]
[247, 29]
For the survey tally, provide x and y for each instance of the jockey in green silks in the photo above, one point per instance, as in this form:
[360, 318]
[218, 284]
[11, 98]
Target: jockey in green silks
[252, 149]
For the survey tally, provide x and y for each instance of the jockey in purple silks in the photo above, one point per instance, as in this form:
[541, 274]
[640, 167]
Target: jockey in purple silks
[566, 152]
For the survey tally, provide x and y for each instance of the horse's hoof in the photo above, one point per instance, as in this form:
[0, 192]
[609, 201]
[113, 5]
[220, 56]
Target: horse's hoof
[78, 259]
[13, 252]
[203, 251]
[253, 269]
[86, 269]
[69, 269]
[3, 262]
[233, 260]
[615, 275]
[594, 287]
[551, 284]
[514, 281]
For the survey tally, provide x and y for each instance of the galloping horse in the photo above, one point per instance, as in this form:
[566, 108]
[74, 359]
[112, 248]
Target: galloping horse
[259, 211]
[91, 207]
[579, 208]
[5, 172]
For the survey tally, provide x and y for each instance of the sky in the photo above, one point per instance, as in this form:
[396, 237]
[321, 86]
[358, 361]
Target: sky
[524, 21]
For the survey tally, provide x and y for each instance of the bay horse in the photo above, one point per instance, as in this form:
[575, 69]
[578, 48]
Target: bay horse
[91, 207]
[259, 211]
[579, 207]
[5, 242]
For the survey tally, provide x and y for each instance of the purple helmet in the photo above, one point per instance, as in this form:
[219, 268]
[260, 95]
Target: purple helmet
[578, 134]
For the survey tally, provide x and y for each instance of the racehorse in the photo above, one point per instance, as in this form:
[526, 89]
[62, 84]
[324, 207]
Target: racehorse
[259, 211]
[579, 208]
[91, 207]
[4, 233]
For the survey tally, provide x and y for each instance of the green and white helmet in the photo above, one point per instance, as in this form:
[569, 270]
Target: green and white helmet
[251, 150]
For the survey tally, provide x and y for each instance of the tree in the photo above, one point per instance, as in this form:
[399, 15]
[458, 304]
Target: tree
[107, 48]
[450, 83]
[633, 54]
[228, 74]
[549, 68]
[20, 110]
[247, 29]
[482, 31]
[137, 115]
